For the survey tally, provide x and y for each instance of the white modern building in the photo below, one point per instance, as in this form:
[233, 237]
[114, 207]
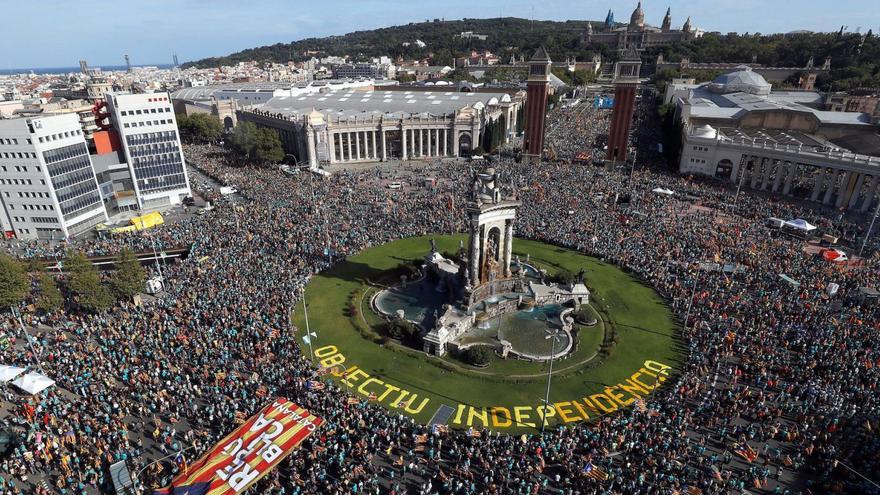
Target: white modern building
[364, 70]
[736, 128]
[148, 133]
[48, 188]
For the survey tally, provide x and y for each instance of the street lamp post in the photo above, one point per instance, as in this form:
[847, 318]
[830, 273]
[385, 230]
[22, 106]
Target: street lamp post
[742, 176]
[687, 314]
[17, 315]
[308, 331]
[633, 166]
[870, 229]
[555, 337]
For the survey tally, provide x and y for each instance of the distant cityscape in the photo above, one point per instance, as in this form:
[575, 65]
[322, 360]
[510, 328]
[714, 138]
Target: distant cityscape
[68, 70]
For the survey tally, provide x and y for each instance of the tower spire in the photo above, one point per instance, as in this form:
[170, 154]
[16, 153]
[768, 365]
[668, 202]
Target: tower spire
[667, 21]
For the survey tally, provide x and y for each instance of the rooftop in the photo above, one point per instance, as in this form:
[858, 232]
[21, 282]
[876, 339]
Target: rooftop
[376, 103]
[206, 92]
[708, 103]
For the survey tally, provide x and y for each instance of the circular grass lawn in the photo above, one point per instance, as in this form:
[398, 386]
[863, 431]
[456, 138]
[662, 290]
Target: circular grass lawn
[627, 354]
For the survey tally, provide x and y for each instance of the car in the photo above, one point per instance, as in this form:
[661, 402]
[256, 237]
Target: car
[395, 185]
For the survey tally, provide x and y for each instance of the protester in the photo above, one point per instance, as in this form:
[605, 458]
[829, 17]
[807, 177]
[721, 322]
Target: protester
[776, 392]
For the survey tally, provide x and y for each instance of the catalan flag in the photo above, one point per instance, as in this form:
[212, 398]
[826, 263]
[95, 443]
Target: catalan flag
[595, 472]
[180, 460]
[314, 385]
[747, 453]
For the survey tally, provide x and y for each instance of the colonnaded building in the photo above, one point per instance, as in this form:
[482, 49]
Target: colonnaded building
[736, 128]
[382, 123]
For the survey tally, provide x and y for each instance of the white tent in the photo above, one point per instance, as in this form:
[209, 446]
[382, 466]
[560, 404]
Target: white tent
[8, 373]
[33, 383]
[660, 190]
[800, 224]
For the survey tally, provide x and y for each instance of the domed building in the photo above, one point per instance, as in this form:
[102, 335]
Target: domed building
[742, 80]
[637, 34]
[736, 128]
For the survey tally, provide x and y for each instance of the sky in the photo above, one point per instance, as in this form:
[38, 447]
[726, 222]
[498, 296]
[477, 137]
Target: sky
[58, 33]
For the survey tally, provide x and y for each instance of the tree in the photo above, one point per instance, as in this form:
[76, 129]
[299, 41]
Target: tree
[403, 77]
[401, 330]
[478, 355]
[259, 144]
[49, 298]
[84, 283]
[129, 277]
[269, 148]
[460, 74]
[14, 282]
[200, 127]
[564, 277]
[520, 120]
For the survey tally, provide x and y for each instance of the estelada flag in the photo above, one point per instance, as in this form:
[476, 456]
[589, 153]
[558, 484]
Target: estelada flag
[244, 456]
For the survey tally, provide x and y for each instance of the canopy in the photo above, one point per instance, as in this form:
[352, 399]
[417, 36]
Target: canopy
[660, 190]
[800, 224]
[794, 283]
[146, 221]
[7, 373]
[33, 383]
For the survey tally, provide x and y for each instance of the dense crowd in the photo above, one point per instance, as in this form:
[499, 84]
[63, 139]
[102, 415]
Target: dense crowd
[789, 373]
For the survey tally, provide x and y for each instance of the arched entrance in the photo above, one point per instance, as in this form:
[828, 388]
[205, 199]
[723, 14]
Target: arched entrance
[724, 169]
[227, 123]
[464, 145]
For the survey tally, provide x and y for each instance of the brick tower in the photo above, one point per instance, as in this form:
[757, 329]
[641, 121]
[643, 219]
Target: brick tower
[536, 105]
[626, 80]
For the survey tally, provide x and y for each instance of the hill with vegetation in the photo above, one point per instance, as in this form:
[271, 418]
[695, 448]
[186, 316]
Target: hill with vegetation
[506, 36]
[855, 58]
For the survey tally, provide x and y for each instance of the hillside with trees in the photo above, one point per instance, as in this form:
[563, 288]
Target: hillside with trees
[506, 36]
[855, 58]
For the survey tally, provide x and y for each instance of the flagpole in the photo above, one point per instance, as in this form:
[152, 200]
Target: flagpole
[308, 331]
[137, 475]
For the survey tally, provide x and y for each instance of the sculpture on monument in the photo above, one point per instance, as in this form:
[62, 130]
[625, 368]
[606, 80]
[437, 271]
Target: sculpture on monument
[483, 284]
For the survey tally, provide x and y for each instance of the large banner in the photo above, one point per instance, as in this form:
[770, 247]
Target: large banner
[248, 453]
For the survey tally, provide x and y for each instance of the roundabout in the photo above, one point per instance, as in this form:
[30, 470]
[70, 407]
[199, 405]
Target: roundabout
[627, 354]
[467, 336]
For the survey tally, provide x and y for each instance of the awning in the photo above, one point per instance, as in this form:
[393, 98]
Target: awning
[8, 373]
[800, 224]
[33, 383]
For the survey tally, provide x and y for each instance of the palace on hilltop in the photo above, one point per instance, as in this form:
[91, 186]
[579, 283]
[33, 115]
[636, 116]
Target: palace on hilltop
[637, 34]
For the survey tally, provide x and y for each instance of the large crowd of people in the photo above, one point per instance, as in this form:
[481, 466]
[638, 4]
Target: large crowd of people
[776, 393]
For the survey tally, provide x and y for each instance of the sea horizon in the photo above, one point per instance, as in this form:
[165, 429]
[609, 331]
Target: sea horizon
[67, 70]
